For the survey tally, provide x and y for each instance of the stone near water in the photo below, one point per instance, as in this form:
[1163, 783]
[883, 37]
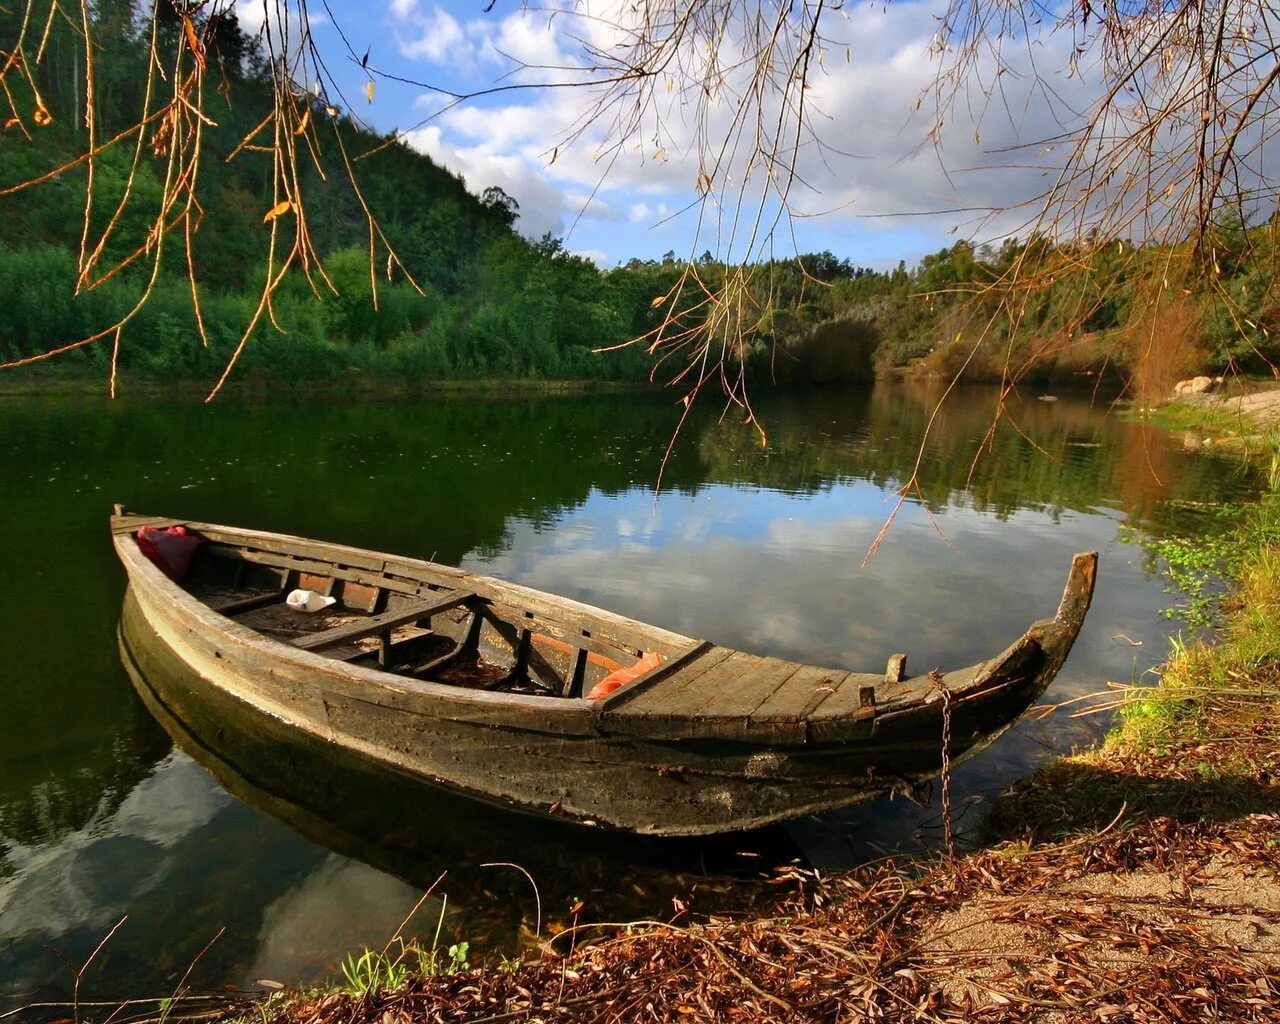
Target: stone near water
[1196, 385]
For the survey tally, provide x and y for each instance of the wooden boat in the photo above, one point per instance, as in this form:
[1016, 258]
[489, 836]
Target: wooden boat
[479, 685]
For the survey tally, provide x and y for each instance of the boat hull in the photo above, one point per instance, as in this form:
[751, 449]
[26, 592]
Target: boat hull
[574, 772]
[677, 753]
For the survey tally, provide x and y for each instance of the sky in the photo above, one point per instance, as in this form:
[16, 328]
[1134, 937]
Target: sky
[877, 194]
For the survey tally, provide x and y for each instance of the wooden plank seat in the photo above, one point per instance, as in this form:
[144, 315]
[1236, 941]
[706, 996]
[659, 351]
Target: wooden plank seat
[382, 623]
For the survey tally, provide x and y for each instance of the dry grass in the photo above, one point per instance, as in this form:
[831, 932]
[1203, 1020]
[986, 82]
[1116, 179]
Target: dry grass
[1165, 912]
[1156, 920]
[1164, 342]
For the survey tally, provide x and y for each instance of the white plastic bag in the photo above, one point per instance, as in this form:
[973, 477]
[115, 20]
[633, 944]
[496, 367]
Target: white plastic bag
[308, 601]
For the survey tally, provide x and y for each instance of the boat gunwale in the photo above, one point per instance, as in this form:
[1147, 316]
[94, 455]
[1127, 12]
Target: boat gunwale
[245, 538]
[1049, 634]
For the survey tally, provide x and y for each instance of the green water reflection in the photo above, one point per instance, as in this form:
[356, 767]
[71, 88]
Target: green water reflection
[753, 546]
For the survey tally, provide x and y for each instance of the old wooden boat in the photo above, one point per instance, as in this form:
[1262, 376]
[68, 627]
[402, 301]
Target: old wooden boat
[484, 686]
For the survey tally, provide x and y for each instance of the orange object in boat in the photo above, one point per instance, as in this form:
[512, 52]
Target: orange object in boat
[171, 549]
[619, 678]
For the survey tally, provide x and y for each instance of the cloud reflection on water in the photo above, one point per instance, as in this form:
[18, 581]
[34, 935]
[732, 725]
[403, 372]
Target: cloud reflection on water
[177, 844]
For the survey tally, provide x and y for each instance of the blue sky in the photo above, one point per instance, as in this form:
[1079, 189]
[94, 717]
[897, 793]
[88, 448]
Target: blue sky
[866, 200]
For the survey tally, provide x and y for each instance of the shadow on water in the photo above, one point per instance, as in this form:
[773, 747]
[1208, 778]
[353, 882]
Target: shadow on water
[755, 547]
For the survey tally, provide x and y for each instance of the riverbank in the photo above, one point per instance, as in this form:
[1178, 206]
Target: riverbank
[59, 384]
[1242, 413]
[1131, 883]
[1156, 919]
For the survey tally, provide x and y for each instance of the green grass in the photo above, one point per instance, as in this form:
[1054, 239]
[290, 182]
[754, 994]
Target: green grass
[370, 971]
[1202, 416]
[1220, 425]
[1234, 668]
[374, 971]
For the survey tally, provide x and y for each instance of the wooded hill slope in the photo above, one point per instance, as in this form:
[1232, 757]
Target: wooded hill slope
[494, 304]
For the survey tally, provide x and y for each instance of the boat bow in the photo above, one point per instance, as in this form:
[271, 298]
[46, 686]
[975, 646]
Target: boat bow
[1061, 631]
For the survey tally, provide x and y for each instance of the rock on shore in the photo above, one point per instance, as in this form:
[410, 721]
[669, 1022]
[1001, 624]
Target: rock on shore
[1260, 409]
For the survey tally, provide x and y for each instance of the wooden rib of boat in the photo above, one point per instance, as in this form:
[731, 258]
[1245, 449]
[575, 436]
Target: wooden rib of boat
[479, 684]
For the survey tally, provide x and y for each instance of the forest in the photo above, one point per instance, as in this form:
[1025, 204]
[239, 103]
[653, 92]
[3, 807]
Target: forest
[479, 300]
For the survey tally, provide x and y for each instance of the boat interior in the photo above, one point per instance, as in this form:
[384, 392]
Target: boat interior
[446, 626]
[436, 623]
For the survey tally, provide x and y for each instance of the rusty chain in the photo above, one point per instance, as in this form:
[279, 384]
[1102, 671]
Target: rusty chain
[935, 677]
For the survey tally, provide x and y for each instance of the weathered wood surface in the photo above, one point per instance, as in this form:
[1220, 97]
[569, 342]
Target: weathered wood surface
[299, 552]
[800, 694]
[419, 610]
[896, 670]
[640, 787]
[595, 631]
[543, 620]
[712, 740]
[122, 523]
[238, 605]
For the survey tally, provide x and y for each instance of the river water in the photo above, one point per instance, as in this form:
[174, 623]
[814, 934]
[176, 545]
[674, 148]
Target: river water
[758, 546]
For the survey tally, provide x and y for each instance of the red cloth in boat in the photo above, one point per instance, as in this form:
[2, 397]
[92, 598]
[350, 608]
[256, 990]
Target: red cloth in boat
[171, 549]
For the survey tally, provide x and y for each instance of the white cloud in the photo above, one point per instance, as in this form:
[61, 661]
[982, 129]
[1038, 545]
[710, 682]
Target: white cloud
[401, 9]
[542, 206]
[532, 39]
[252, 16]
[284, 18]
[654, 217]
[353, 905]
[438, 36]
[502, 126]
[55, 887]
[587, 205]
[861, 109]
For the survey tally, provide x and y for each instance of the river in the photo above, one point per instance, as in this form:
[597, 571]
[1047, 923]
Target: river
[754, 545]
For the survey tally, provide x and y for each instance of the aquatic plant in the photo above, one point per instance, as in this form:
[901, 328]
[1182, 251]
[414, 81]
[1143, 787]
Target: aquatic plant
[1197, 560]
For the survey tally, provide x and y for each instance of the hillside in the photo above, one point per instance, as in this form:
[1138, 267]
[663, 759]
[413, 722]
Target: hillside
[491, 303]
[473, 299]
